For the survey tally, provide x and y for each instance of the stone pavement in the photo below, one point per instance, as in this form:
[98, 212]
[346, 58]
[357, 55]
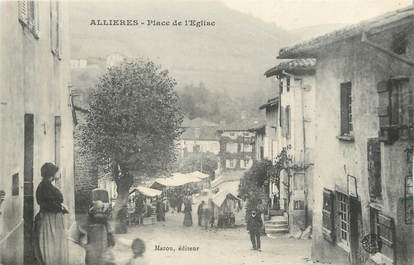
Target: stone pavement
[193, 245]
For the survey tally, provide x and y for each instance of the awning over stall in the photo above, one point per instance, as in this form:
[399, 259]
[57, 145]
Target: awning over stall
[146, 191]
[178, 179]
[220, 197]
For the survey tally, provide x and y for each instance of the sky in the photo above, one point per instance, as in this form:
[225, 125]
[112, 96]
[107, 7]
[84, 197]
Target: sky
[293, 14]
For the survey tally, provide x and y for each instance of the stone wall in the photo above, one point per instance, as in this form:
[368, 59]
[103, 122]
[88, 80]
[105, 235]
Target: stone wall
[363, 66]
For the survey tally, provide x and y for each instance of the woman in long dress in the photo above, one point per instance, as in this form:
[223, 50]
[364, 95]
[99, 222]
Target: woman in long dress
[188, 219]
[50, 238]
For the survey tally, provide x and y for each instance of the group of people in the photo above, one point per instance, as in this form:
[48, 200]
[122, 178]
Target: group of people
[50, 244]
[144, 207]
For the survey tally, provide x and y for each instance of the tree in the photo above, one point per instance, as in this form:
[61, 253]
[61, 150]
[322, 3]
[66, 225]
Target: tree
[252, 183]
[133, 124]
[204, 162]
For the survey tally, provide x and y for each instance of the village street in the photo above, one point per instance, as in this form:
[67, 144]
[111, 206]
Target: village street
[219, 246]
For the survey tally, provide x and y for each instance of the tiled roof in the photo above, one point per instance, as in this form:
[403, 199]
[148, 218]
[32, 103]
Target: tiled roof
[293, 66]
[308, 48]
[270, 103]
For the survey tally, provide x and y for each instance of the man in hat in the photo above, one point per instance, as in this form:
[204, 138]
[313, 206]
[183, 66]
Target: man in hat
[254, 225]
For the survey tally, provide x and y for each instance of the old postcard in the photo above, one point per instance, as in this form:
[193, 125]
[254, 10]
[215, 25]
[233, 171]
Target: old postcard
[206, 132]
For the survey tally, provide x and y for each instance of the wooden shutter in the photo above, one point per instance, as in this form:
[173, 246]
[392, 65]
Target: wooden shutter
[288, 122]
[345, 90]
[386, 232]
[374, 168]
[388, 133]
[22, 9]
[283, 121]
[328, 226]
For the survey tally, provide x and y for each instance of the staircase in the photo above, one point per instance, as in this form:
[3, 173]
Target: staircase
[277, 225]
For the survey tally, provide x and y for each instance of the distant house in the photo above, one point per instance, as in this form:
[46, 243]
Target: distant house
[293, 129]
[363, 192]
[236, 147]
[199, 135]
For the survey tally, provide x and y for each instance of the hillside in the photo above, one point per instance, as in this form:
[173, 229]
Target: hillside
[230, 57]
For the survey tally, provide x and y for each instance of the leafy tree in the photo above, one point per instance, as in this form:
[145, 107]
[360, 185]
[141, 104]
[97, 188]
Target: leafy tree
[252, 183]
[204, 162]
[132, 125]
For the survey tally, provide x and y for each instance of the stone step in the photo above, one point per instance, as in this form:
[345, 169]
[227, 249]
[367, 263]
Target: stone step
[277, 230]
[276, 226]
[276, 222]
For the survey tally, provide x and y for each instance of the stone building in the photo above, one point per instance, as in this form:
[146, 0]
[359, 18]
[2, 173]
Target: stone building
[363, 210]
[236, 148]
[35, 116]
[294, 131]
[199, 135]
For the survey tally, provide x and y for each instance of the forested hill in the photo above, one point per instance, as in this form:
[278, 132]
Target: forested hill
[231, 56]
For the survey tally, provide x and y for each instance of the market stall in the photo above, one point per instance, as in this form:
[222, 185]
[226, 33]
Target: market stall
[224, 207]
[141, 209]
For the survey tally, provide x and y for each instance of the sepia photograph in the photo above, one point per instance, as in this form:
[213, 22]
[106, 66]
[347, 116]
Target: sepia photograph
[206, 132]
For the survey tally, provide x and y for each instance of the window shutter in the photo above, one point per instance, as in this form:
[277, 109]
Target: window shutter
[388, 133]
[374, 168]
[22, 9]
[283, 121]
[344, 110]
[288, 122]
[328, 226]
[386, 232]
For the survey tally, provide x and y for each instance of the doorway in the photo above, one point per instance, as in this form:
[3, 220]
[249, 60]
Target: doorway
[28, 201]
[355, 223]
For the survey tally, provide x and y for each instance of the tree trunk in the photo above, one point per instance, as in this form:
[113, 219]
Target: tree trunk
[123, 182]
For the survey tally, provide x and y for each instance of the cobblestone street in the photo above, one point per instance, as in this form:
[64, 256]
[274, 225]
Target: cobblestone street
[222, 246]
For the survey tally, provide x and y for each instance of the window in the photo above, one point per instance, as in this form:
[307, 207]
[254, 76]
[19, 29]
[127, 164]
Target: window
[55, 37]
[231, 147]
[328, 215]
[298, 205]
[15, 185]
[261, 153]
[231, 163]
[288, 84]
[247, 148]
[346, 109]
[395, 109]
[374, 169]
[342, 209]
[242, 163]
[399, 43]
[28, 15]
[383, 227]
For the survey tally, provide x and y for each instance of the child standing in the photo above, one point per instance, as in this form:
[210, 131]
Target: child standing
[138, 249]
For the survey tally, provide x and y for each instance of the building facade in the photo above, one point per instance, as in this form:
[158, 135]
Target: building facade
[36, 117]
[295, 133]
[199, 136]
[363, 212]
[236, 148]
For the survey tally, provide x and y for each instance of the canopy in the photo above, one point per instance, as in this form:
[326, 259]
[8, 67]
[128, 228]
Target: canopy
[147, 191]
[198, 174]
[176, 180]
[220, 197]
